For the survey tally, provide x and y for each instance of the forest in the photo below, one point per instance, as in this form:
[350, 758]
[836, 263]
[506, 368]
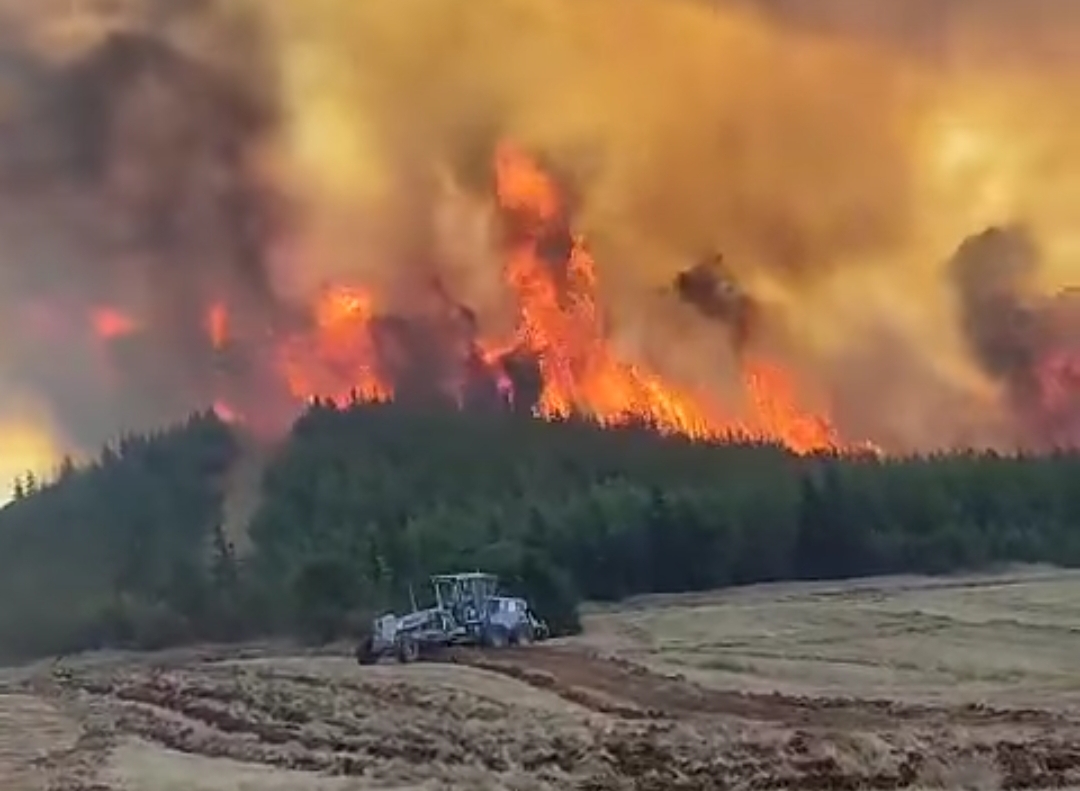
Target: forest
[359, 504]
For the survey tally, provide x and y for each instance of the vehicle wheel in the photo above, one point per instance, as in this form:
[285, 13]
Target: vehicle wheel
[408, 650]
[523, 635]
[365, 652]
[496, 637]
[436, 652]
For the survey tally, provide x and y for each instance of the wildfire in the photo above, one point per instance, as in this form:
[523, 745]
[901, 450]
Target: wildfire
[1058, 379]
[217, 325]
[343, 347]
[560, 323]
[353, 351]
[30, 445]
[552, 278]
[818, 210]
[110, 324]
[773, 397]
[225, 412]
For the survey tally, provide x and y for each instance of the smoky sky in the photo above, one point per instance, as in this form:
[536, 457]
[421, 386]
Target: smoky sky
[134, 178]
[125, 187]
[1025, 340]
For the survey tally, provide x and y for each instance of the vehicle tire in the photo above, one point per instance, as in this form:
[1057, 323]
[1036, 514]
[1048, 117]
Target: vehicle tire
[365, 652]
[408, 650]
[433, 652]
[523, 635]
[496, 637]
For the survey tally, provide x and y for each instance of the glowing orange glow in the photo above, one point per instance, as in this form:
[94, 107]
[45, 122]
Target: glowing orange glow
[340, 343]
[217, 325]
[521, 186]
[110, 324]
[225, 412]
[552, 278]
[772, 394]
[819, 170]
[560, 323]
[29, 446]
[1059, 381]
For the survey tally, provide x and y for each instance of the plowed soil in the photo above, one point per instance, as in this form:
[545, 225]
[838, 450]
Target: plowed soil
[631, 705]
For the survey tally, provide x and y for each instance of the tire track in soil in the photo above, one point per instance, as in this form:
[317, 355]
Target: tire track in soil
[618, 687]
[655, 741]
[1049, 758]
[44, 744]
[297, 723]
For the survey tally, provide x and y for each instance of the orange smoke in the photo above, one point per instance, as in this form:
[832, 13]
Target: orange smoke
[352, 351]
[552, 278]
[30, 445]
[563, 328]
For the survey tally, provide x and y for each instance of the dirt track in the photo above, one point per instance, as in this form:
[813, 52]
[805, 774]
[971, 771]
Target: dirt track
[544, 717]
[614, 686]
[1043, 749]
[624, 727]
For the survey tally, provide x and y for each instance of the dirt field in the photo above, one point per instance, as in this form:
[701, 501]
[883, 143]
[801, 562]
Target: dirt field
[898, 683]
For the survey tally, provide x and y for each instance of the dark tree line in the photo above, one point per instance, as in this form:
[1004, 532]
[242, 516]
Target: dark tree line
[120, 543]
[360, 505]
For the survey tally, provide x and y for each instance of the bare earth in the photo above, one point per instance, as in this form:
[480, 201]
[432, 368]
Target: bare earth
[896, 683]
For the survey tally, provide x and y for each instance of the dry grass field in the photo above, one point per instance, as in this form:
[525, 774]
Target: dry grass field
[894, 683]
[1011, 638]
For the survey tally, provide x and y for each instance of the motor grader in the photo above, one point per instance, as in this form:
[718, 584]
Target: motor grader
[468, 611]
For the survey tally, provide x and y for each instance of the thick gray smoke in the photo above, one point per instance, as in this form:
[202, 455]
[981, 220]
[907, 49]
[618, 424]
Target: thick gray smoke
[235, 155]
[712, 289]
[1025, 341]
[129, 208]
[134, 209]
[994, 275]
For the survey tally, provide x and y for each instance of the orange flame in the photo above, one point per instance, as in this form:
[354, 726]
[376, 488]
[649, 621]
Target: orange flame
[560, 323]
[772, 396]
[553, 279]
[217, 325]
[110, 324]
[340, 349]
[1059, 385]
[563, 328]
[225, 412]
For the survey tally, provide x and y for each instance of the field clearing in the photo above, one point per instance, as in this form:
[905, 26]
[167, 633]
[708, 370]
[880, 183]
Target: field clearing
[882, 684]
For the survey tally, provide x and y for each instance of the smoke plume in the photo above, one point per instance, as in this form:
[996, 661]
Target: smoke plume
[182, 184]
[1026, 341]
[710, 287]
[129, 209]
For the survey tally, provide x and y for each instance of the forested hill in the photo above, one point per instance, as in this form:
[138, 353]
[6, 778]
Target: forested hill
[82, 558]
[358, 504]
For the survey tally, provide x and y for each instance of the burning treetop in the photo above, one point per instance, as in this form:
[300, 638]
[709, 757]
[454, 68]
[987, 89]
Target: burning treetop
[248, 204]
[354, 352]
